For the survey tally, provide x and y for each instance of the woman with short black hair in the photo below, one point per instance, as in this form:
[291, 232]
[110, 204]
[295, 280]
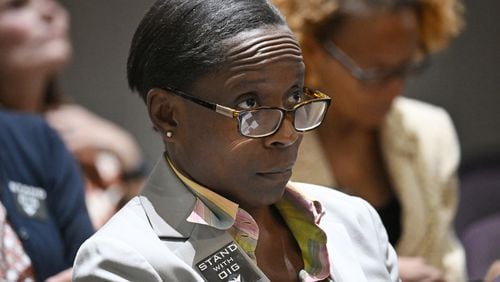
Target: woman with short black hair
[223, 84]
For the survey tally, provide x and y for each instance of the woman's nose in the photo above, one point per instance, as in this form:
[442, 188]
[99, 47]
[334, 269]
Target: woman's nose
[48, 9]
[285, 136]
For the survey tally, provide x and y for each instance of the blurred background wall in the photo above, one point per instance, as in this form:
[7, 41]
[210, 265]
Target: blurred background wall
[101, 33]
[464, 79]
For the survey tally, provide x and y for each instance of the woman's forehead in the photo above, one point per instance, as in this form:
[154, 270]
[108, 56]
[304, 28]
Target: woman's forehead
[255, 58]
[250, 49]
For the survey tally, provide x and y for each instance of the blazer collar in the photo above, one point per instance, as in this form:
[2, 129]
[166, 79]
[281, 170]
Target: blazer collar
[167, 203]
[396, 136]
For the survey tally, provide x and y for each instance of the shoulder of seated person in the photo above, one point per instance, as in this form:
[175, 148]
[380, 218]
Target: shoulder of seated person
[416, 111]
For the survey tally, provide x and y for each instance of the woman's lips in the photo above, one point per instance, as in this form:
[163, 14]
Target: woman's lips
[277, 173]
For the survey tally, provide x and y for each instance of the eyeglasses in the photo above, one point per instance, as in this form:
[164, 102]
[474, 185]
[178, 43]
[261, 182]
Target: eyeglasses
[375, 76]
[265, 121]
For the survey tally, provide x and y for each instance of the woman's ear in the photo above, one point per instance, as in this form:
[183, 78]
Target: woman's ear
[161, 109]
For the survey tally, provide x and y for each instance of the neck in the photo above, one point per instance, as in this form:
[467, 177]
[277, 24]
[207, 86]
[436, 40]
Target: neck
[340, 130]
[259, 214]
[264, 216]
[26, 93]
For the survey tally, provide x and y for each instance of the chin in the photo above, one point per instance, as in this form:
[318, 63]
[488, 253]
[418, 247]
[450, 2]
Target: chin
[55, 56]
[59, 49]
[271, 194]
[259, 201]
[373, 121]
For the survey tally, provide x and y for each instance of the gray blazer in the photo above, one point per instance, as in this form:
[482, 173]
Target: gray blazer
[150, 239]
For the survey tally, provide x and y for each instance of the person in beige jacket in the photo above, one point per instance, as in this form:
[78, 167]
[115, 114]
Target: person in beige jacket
[399, 154]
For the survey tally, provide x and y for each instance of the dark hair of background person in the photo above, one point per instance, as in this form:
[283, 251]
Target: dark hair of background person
[190, 38]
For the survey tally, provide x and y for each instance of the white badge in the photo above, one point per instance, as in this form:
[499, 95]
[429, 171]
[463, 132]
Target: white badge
[30, 200]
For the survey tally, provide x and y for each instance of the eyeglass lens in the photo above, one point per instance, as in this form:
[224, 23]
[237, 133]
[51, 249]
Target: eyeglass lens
[310, 115]
[260, 122]
[264, 122]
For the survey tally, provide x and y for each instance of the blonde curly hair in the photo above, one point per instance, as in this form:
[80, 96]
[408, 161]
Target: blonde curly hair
[440, 20]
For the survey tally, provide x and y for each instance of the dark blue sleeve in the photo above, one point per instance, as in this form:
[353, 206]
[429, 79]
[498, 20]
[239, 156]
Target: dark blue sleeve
[66, 196]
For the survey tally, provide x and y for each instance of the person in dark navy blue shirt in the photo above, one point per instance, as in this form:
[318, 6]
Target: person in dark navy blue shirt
[43, 194]
[35, 47]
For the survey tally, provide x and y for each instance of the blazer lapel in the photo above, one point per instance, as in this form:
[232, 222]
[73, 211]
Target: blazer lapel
[167, 203]
[344, 260]
[400, 151]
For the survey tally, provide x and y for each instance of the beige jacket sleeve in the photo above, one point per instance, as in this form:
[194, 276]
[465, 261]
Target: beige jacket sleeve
[422, 152]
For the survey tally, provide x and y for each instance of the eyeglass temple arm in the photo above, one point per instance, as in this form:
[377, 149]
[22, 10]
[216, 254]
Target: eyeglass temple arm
[225, 111]
[215, 107]
[344, 59]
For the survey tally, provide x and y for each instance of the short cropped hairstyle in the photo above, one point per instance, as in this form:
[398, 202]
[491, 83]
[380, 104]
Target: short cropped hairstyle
[179, 41]
[439, 20]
